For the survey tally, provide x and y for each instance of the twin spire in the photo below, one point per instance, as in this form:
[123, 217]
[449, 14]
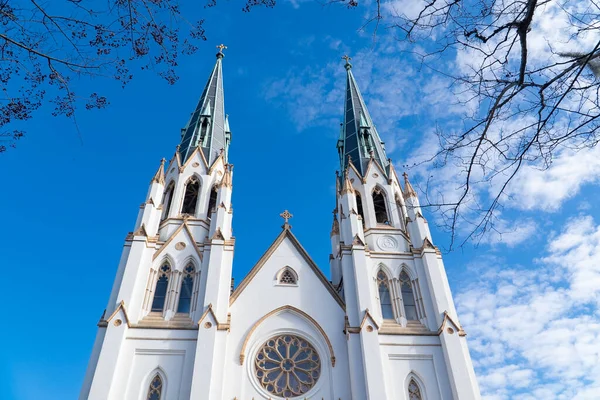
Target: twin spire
[208, 127]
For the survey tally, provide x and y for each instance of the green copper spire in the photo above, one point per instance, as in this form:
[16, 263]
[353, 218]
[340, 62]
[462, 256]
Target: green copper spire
[359, 139]
[208, 127]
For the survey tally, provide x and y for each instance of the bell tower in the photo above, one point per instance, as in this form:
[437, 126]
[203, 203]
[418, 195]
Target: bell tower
[175, 267]
[390, 273]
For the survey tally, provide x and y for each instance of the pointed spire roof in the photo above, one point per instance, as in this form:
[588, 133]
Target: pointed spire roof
[357, 121]
[210, 109]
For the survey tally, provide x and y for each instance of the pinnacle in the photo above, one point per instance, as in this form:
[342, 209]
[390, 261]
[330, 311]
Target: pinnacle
[409, 191]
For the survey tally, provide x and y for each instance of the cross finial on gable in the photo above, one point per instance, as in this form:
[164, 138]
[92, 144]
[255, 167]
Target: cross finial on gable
[286, 217]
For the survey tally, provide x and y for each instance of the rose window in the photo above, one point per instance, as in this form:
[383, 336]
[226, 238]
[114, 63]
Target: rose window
[287, 366]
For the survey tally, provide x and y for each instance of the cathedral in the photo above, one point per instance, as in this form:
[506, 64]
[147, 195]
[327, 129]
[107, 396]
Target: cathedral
[175, 327]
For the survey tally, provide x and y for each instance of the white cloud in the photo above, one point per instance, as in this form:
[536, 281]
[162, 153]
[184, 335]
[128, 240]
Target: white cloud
[534, 332]
[548, 189]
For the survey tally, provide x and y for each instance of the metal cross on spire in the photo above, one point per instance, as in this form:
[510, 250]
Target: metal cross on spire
[221, 47]
[347, 58]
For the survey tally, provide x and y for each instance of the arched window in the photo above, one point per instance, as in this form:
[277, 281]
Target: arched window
[212, 202]
[381, 214]
[410, 308]
[167, 199]
[414, 392]
[160, 293]
[287, 277]
[384, 296]
[192, 189]
[187, 289]
[155, 389]
[359, 205]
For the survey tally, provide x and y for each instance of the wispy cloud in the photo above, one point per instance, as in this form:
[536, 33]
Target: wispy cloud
[533, 330]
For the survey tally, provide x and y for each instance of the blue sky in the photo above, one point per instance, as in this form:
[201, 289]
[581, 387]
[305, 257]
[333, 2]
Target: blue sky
[528, 298]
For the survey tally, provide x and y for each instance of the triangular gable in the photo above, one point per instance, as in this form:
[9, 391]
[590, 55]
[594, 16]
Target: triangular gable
[184, 227]
[376, 164]
[202, 157]
[121, 308]
[368, 317]
[448, 320]
[286, 233]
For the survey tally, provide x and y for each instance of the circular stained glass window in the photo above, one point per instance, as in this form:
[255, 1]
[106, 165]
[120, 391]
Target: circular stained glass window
[287, 366]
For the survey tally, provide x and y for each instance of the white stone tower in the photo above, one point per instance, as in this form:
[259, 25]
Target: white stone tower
[391, 275]
[384, 327]
[159, 294]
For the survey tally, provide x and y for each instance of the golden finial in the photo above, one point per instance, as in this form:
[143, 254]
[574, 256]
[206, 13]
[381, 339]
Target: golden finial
[221, 47]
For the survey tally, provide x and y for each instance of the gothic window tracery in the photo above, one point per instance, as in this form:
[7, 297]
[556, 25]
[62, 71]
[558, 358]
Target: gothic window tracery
[385, 299]
[381, 214]
[288, 277]
[187, 289]
[167, 200]
[287, 366]
[160, 292]
[414, 392]
[212, 202]
[155, 389]
[192, 191]
[408, 297]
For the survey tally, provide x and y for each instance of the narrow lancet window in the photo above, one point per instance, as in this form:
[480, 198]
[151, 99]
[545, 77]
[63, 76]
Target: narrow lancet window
[187, 288]
[167, 200]
[408, 297]
[359, 205]
[414, 392]
[160, 293]
[384, 296]
[212, 202]
[203, 131]
[381, 215]
[192, 189]
[155, 389]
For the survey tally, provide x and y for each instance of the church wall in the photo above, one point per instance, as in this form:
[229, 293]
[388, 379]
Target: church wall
[415, 356]
[148, 351]
[262, 296]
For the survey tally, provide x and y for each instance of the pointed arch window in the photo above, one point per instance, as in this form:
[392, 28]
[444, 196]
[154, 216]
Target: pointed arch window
[167, 200]
[190, 199]
[408, 297]
[381, 214]
[155, 389]
[385, 299]
[359, 205]
[414, 392]
[160, 292]
[287, 277]
[187, 290]
[212, 202]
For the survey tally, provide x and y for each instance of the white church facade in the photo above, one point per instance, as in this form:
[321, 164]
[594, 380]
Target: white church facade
[383, 327]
